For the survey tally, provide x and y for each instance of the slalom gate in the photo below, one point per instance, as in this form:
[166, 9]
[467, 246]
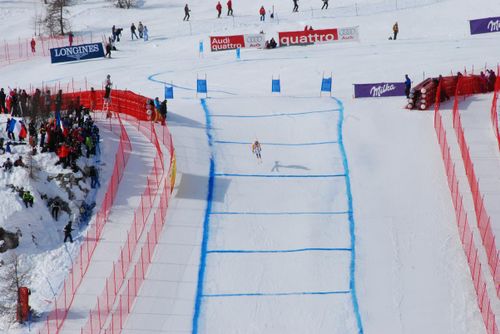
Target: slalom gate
[160, 181]
[464, 229]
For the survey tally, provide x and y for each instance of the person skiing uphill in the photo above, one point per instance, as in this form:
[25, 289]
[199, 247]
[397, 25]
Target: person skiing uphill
[256, 149]
[186, 13]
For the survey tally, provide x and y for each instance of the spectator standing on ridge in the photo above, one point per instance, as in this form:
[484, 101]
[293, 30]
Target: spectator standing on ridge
[140, 29]
[219, 9]
[33, 45]
[186, 13]
[295, 6]
[55, 209]
[67, 232]
[7, 165]
[94, 177]
[27, 199]
[2, 101]
[325, 4]
[132, 31]
[262, 13]
[70, 38]
[229, 8]
[407, 86]
[395, 30]
[146, 34]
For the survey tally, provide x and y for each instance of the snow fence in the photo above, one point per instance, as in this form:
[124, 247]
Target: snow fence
[160, 181]
[464, 229]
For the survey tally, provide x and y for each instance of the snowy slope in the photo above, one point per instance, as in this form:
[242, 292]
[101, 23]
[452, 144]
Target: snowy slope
[410, 272]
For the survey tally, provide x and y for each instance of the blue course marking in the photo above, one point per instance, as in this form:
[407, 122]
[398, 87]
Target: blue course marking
[277, 115]
[352, 268]
[259, 294]
[297, 176]
[299, 250]
[206, 222]
[152, 78]
[275, 144]
[279, 213]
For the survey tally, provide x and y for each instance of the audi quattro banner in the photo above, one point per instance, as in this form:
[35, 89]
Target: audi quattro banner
[307, 37]
[381, 89]
[483, 26]
[76, 52]
[222, 43]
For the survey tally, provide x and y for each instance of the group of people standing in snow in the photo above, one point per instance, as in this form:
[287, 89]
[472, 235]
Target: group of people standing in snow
[141, 29]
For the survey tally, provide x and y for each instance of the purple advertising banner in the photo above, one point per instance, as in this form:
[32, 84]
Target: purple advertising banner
[483, 26]
[381, 89]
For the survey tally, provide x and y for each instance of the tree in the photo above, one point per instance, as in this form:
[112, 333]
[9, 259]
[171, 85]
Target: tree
[12, 277]
[125, 3]
[55, 22]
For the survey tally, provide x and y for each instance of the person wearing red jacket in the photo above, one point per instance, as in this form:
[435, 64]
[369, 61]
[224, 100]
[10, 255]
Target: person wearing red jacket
[219, 9]
[262, 13]
[63, 153]
[33, 45]
[229, 8]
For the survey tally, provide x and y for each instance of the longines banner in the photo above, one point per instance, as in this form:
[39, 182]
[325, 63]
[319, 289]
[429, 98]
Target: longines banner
[307, 37]
[222, 43]
[76, 52]
[483, 26]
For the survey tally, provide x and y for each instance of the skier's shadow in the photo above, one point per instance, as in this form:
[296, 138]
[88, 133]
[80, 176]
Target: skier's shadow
[278, 165]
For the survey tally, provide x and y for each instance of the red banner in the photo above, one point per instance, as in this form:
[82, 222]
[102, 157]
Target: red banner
[308, 37]
[221, 43]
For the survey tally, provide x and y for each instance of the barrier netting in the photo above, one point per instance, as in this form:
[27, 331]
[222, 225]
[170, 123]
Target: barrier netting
[160, 181]
[464, 229]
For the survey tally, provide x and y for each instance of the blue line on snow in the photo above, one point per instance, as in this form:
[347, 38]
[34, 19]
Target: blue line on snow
[152, 78]
[352, 268]
[259, 294]
[277, 115]
[279, 213]
[299, 250]
[206, 222]
[297, 176]
[275, 144]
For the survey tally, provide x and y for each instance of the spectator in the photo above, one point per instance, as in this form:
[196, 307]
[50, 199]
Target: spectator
[55, 209]
[108, 50]
[295, 6]
[2, 149]
[218, 7]
[2, 101]
[67, 232]
[27, 199]
[140, 29]
[118, 33]
[7, 165]
[163, 111]
[325, 4]
[407, 86]
[229, 8]
[186, 13]
[94, 177]
[146, 34]
[395, 30]
[132, 31]
[70, 38]
[33, 45]
[19, 162]
[262, 13]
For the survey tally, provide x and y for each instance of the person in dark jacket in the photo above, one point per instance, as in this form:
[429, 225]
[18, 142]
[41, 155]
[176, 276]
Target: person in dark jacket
[407, 86]
[55, 209]
[186, 13]
[108, 50]
[395, 30]
[295, 6]
[7, 165]
[325, 4]
[67, 232]
[2, 101]
[132, 31]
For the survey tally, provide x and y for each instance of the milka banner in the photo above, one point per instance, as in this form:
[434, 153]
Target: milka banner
[381, 89]
[483, 26]
[76, 52]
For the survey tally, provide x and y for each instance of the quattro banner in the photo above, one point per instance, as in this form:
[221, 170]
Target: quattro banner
[381, 89]
[307, 37]
[76, 52]
[484, 26]
[222, 43]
